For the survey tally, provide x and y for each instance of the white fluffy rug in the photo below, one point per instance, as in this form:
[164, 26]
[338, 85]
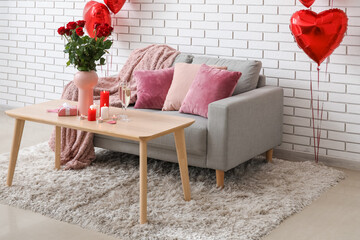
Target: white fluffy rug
[256, 198]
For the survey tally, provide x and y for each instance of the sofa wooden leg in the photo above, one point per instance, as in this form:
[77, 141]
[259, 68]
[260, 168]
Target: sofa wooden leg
[269, 155]
[220, 178]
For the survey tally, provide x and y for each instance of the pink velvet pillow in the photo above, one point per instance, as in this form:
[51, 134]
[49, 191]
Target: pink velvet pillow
[152, 87]
[184, 74]
[209, 85]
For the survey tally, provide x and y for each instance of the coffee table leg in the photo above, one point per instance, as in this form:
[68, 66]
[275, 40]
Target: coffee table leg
[18, 130]
[143, 182]
[57, 147]
[183, 165]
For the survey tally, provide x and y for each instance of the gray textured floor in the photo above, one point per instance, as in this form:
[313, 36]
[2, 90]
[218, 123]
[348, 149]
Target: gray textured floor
[335, 216]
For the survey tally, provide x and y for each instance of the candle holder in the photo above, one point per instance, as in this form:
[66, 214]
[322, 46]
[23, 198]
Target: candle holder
[81, 117]
[100, 120]
[114, 118]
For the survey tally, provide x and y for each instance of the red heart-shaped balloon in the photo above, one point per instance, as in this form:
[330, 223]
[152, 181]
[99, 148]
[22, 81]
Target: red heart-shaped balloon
[95, 12]
[115, 5]
[318, 35]
[307, 3]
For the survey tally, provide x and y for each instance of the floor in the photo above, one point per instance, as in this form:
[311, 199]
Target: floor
[335, 215]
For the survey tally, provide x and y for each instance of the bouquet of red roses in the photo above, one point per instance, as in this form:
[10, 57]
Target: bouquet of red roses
[85, 53]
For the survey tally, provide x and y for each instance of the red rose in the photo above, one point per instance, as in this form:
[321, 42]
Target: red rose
[71, 25]
[102, 30]
[80, 31]
[96, 25]
[61, 30]
[107, 31]
[104, 33]
[81, 23]
[99, 34]
[68, 32]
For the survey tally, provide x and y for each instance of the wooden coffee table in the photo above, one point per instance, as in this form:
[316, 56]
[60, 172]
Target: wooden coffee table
[143, 127]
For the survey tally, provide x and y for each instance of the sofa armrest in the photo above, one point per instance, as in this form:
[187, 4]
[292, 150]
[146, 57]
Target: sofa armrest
[243, 126]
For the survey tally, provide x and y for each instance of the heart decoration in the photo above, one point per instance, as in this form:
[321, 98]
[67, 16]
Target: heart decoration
[318, 35]
[95, 12]
[115, 5]
[307, 3]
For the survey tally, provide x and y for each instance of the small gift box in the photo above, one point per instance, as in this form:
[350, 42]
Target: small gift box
[67, 110]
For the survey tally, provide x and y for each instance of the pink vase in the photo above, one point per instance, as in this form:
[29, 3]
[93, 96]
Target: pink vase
[85, 81]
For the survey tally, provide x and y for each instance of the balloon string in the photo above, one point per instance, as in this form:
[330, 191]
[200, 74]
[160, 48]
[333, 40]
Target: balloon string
[113, 21]
[312, 116]
[111, 57]
[326, 68]
[107, 66]
[318, 114]
[318, 88]
[322, 104]
[319, 128]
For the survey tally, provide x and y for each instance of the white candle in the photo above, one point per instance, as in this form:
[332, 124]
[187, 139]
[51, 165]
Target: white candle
[105, 112]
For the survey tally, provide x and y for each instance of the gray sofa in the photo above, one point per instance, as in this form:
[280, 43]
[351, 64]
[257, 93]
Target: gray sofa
[238, 128]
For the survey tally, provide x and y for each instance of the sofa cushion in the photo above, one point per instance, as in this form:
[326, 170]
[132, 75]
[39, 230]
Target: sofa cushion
[261, 82]
[250, 70]
[152, 87]
[184, 74]
[195, 135]
[209, 85]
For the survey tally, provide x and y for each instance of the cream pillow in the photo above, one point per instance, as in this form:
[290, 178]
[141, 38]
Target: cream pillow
[184, 74]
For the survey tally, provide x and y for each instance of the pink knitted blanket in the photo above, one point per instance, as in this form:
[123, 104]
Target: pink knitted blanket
[77, 149]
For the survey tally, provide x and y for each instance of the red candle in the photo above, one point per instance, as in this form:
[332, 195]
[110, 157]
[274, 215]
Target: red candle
[92, 114]
[104, 98]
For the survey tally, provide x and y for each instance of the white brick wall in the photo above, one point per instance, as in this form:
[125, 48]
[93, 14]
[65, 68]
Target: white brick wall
[32, 64]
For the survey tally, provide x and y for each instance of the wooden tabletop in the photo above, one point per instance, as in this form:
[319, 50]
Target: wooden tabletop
[142, 125]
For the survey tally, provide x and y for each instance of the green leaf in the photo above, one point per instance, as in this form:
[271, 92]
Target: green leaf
[102, 61]
[107, 44]
[83, 69]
